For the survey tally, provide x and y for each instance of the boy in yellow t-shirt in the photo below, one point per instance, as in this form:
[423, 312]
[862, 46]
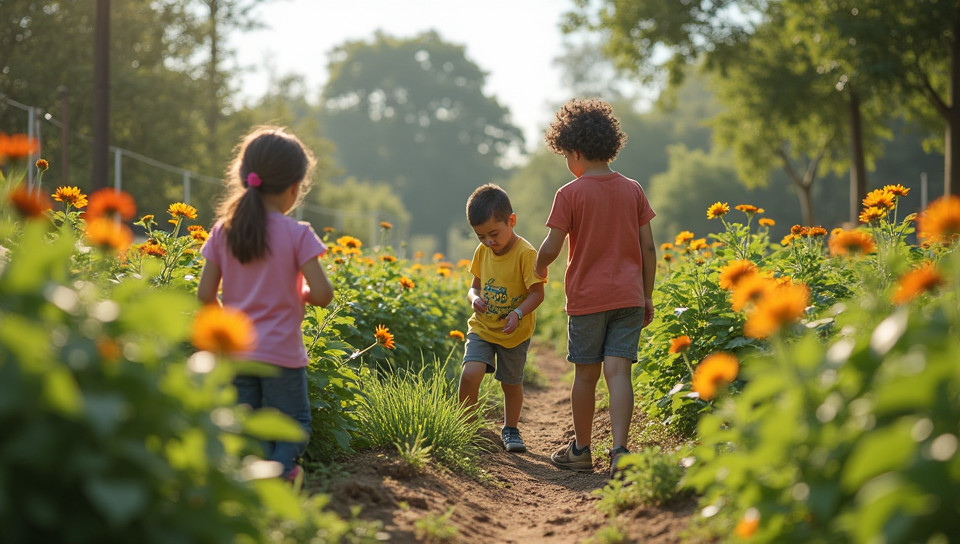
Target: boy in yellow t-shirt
[504, 294]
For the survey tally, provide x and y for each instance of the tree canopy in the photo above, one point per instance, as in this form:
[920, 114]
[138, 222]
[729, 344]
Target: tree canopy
[412, 112]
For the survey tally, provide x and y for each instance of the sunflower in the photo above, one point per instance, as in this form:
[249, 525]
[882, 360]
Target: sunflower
[732, 273]
[457, 335]
[873, 213]
[780, 306]
[384, 336]
[879, 198]
[787, 240]
[349, 242]
[680, 343]
[29, 204]
[698, 244]
[388, 258]
[223, 330]
[683, 237]
[896, 190]
[42, 165]
[111, 203]
[750, 289]
[72, 196]
[463, 263]
[406, 282]
[748, 209]
[715, 371]
[179, 211]
[153, 248]
[940, 222]
[198, 233]
[385, 226]
[748, 524]
[443, 271]
[17, 146]
[851, 242]
[916, 282]
[766, 222]
[816, 231]
[107, 233]
[717, 209]
[798, 230]
[666, 246]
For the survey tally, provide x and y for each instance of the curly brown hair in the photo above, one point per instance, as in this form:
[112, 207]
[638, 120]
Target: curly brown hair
[588, 127]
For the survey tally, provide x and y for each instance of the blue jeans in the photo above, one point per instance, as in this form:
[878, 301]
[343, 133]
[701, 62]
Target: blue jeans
[287, 392]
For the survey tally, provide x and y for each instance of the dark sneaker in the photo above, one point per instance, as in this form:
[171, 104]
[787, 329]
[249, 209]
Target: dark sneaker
[511, 439]
[567, 460]
[615, 455]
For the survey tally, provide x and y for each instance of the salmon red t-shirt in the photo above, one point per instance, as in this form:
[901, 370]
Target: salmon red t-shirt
[602, 216]
[268, 289]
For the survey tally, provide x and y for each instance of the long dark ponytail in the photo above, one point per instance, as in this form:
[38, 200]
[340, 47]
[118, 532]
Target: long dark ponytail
[268, 161]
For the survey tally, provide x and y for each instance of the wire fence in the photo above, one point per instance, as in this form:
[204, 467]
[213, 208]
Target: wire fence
[319, 216]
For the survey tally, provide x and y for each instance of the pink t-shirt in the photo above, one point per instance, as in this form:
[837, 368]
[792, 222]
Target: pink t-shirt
[602, 216]
[268, 289]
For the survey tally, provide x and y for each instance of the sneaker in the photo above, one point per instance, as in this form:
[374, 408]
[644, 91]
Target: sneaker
[294, 476]
[511, 439]
[615, 455]
[567, 460]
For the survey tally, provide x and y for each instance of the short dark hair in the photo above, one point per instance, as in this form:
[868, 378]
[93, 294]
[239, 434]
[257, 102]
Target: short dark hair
[588, 127]
[488, 201]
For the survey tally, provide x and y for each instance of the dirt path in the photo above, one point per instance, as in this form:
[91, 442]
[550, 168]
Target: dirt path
[526, 500]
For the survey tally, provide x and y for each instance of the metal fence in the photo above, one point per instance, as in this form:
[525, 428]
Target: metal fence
[319, 216]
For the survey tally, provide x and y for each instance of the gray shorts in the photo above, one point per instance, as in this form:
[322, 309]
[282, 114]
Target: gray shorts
[507, 362]
[613, 333]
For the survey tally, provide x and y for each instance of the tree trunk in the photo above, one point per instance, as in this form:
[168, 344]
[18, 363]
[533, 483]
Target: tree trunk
[213, 111]
[101, 95]
[858, 171]
[806, 203]
[951, 156]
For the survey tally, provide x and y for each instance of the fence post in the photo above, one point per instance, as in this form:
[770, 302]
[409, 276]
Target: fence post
[186, 187]
[31, 134]
[64, 135]
[923, 191]
[117, 154]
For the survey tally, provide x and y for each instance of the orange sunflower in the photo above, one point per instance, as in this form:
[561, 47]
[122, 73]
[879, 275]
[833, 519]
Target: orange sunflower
[223, 330]
[384, 336]
[17, 146]
[940, 222]
[179, 211]
[457, 335]
[733, 272]
[71, 196]
[782, 305]
[851, 242]
[683, 237]
[349, 242]
[879, 198]
[29, 204]
[680, 343]
[107, 233]
[111, 203]
[714, 372]
[406, 282]
[920, 280]
[717, 209]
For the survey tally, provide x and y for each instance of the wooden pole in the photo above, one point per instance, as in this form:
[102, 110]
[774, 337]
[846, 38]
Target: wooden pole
[101, 94]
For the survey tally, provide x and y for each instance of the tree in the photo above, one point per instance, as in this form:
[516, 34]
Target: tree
[153, 107]
[781, 112]
[411, 112]
[912, 48]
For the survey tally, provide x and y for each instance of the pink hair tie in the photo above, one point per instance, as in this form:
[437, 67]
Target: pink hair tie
[253, 180]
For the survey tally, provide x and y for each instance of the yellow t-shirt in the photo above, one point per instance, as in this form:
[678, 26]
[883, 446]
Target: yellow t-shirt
[504, 283]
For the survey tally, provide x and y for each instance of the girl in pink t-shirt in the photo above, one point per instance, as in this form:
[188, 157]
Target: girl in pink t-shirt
[266, 264]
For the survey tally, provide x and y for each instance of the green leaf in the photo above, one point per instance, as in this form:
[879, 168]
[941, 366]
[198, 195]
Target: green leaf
[879, 451]
[278, 496]
[118, 500]
[270, 424]
[61, 392]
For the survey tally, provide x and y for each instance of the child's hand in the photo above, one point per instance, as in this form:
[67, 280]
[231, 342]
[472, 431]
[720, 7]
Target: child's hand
[479, 305]
[513, 321]
[647, 311]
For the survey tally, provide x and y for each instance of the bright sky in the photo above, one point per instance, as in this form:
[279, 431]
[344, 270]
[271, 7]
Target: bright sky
[514, 41]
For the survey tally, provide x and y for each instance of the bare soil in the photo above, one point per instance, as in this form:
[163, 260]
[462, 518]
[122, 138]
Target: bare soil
[525, 499]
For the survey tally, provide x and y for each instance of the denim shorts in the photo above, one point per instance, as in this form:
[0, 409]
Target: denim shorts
[613, 333]
[507, 362]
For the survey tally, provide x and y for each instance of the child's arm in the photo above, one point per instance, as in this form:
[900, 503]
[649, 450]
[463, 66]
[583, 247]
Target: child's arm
[319, 290]
[209, 284]
[648, 248]
[475, 297]
[549, 251]
[529, 304]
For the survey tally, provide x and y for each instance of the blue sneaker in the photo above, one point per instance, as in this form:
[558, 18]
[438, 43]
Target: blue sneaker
[511, 440]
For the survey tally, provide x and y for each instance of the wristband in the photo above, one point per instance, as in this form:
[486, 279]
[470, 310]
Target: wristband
[518, 312]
